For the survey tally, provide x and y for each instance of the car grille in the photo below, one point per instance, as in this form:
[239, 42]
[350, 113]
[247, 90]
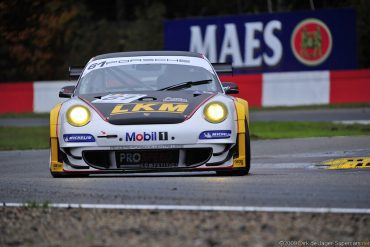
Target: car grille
[147, 158]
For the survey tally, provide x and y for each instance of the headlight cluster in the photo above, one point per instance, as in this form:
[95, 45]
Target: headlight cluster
[215, 112]
[78, 115]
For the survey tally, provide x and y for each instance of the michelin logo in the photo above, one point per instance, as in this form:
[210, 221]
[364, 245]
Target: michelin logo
[215, 134]
[78, 138]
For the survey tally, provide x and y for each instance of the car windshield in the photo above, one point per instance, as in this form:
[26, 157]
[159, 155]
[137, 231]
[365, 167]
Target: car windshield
[147, 77]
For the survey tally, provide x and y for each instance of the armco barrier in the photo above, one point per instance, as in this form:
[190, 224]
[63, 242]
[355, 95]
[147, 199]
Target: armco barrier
[268, 89]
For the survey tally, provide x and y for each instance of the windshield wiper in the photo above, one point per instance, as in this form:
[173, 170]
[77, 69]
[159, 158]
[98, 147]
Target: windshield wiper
[187, 84]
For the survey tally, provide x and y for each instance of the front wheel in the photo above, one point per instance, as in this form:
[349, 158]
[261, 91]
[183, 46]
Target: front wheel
[245, 170]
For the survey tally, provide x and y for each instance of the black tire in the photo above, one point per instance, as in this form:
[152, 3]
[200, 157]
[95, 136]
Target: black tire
[68, 175]
[242, 171]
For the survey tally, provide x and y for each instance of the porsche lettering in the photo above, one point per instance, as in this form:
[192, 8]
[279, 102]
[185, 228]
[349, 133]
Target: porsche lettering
[149, 107]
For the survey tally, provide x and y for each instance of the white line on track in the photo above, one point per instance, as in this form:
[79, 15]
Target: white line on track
[201, 208]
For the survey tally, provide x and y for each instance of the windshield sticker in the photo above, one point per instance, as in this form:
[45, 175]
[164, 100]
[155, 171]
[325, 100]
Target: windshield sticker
[119, 98]
[119, 61]
[170, 99]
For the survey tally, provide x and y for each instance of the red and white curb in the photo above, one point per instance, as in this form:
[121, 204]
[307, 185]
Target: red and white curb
[198, 208]
[260, 90]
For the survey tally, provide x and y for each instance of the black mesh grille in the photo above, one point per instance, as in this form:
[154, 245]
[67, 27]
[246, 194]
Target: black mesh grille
[97, 158]
[193, 157]
[196, 156]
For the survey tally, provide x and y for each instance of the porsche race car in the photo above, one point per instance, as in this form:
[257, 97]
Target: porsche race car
[154, 111]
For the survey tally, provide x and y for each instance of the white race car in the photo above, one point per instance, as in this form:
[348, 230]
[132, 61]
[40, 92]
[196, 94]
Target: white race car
[155, 111]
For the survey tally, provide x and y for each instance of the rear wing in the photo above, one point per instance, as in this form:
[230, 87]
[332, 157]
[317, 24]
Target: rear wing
[223, 68]
[75, 72]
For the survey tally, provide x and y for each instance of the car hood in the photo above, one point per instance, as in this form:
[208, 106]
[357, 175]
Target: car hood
[148, 107]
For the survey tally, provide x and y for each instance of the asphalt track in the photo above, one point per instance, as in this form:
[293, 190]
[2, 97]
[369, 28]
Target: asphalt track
[283, 174]
[315, 115]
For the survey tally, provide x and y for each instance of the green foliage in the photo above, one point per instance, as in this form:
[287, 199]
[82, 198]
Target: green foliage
[33, 204]
[146, 32]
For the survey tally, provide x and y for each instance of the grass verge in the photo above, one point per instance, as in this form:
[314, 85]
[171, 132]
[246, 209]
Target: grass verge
[25, 115]
[12, 138]
[278, 130]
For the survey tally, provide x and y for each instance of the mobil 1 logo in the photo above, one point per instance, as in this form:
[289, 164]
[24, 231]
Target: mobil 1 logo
[146, 136]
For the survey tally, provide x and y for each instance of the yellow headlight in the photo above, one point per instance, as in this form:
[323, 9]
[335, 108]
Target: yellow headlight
[215, 112]
[78, 115]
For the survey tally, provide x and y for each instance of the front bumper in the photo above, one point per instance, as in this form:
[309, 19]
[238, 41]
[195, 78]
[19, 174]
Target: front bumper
[187, 157]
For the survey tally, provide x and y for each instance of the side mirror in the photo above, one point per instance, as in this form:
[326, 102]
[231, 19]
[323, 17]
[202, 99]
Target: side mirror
[66, 92]
[230, 88]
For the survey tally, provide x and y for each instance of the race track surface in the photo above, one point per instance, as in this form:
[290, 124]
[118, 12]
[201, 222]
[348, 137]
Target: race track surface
[283, 174]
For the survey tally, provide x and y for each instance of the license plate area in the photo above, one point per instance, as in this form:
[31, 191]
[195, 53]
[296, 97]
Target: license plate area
[147, 159]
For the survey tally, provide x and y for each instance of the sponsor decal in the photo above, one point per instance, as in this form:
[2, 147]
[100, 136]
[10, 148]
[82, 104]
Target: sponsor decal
[311, 42]
[149, 107]
[147, 159]
[256, 34]
[146, 136]
[170, 146]
[238, 163]
[78, 138]
[262, 43]
[215, 134]
[119, 98]
[170, 99]
[57, 167]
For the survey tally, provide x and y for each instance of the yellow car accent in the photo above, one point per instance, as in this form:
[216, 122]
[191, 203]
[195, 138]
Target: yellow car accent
[215, 112]
[149, 107]
[347, 163]
[78, 115]
[239, 162]
[242, 115]
[242, 109]
[55, 165]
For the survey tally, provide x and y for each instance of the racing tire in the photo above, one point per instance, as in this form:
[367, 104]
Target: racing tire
[245, 170]
[68, 175]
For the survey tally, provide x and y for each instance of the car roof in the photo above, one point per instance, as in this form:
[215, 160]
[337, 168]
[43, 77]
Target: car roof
[147, 53]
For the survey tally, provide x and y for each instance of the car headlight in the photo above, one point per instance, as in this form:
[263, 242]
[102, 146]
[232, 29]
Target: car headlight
[78, 115]
[215, 112]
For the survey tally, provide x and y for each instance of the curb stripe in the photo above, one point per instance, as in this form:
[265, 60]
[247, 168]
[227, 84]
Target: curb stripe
[201, 208]
[260, 90]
